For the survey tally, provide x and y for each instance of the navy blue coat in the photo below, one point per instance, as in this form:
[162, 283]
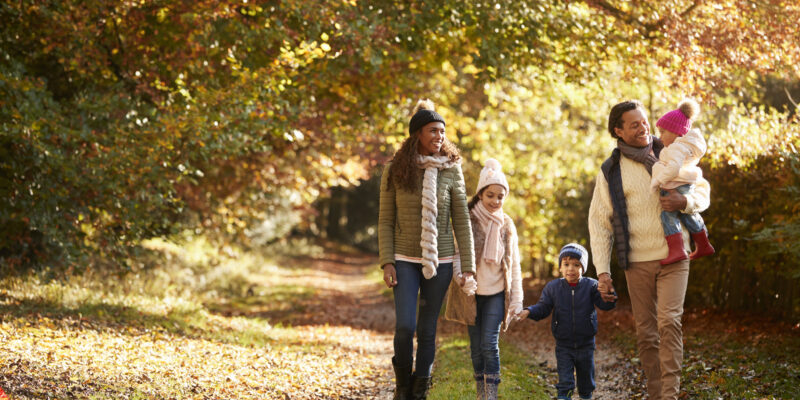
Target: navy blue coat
[574, 321]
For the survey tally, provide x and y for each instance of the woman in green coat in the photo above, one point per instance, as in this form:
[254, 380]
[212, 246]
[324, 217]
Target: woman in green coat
[422, 202]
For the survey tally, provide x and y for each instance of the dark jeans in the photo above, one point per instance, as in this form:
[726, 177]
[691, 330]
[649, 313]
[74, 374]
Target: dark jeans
[671, 220]
[572, 362]
[483, 335]
[411, 283]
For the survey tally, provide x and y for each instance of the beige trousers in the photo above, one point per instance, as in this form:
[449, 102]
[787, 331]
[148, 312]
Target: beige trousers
[657, 293]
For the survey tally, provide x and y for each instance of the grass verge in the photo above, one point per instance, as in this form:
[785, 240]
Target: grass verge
[735, 358]
[200, 322]
[521, 377]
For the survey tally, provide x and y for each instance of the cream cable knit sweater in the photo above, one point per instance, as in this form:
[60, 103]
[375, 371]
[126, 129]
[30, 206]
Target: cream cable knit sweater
[644, 215]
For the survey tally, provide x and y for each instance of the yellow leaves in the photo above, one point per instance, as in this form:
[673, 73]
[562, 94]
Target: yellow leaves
[353, 171]
[303, 53]
[471, 69]
[751, 133]
[162, 14]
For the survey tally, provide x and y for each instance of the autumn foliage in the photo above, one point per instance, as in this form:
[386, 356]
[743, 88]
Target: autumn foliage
[126, 120]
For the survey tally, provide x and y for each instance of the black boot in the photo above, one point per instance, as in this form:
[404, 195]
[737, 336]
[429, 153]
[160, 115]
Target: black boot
[419, 387]
[402, 378]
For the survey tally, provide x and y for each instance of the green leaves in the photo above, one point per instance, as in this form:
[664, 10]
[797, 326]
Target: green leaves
[147, 118]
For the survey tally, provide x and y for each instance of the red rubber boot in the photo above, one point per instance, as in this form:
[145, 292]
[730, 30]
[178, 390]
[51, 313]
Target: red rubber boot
[676, 251]
[702, 247]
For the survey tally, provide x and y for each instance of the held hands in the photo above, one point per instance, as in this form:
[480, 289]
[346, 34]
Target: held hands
[389, 275]
[514, 309]
[468, 283]
[605, 287]
[522, 314]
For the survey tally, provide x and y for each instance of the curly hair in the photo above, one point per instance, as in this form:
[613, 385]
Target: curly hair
[615, 117]
[404, 172]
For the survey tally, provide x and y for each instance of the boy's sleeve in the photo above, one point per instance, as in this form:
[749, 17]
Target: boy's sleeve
[598, 301]
[543, 308]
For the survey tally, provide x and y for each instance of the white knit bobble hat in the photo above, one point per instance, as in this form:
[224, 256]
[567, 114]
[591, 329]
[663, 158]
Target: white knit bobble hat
[492, 174]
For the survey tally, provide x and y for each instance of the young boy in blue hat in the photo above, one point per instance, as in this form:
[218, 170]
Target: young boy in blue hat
[572, 299]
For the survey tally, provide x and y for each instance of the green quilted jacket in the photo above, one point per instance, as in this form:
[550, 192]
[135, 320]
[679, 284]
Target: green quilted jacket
[400, 219]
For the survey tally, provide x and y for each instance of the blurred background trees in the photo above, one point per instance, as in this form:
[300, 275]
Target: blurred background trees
[249, 121]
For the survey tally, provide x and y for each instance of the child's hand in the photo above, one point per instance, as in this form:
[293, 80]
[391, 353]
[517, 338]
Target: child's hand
[462, 278]
[470, 285]
[522, 314]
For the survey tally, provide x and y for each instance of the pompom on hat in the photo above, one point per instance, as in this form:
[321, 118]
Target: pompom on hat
[679, 121]
[492, 174]
[423, 114]
[576, 251]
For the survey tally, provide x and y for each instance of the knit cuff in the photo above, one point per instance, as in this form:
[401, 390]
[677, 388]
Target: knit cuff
[691, 205]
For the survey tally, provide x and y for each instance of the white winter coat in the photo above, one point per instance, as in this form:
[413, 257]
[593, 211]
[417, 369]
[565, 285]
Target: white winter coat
[677, 163]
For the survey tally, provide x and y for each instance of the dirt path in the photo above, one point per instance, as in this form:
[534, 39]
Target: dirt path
[346, 297]
[351, 299]
[615, 375]
[318, 328]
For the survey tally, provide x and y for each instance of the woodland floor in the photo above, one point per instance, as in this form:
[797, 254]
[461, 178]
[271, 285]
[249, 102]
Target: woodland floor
[324, 330]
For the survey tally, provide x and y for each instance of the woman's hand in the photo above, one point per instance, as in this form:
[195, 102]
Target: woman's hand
[468, 284]
[389, 275]
[463, 277]
[522, 314]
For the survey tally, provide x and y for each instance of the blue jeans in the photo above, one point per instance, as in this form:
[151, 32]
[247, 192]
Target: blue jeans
[571, 363]
[483, 335]
[671, 220]
[411, 283]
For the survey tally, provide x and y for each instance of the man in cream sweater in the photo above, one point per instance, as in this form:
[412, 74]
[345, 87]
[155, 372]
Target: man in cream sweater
[626, 212]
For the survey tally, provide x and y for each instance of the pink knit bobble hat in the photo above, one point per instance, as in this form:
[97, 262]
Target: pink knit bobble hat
[679, 121]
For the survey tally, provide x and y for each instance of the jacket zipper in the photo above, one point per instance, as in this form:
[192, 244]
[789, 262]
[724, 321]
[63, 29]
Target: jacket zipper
[575, 344]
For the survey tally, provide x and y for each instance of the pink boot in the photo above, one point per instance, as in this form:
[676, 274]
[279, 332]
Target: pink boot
[702, 247]
[676, 251]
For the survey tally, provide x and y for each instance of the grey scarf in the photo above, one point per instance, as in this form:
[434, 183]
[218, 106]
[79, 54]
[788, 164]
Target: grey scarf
[642, 155]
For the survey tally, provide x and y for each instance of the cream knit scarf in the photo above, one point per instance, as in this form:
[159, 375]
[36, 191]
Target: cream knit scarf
[428, 241]
[491, 222]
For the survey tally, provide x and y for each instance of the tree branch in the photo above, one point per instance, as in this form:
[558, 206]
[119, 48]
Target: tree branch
[789, 95]
[649, 28]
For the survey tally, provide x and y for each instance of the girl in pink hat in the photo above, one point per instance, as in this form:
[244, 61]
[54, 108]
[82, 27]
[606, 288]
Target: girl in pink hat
[677, 169]
[488, 302]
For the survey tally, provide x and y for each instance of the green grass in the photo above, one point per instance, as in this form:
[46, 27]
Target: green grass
[521, 376]
[226, 304]
[718, 366]
[724, 365]
[193, 291]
